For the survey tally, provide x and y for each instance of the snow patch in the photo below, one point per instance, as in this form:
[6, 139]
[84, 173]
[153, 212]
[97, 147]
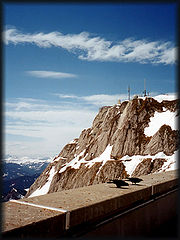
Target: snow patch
[73, 141]
[159, 119]
[76, 162]
[161, 97]
[169, 97]
[104, 157]
[58, 158]
[5, 175]
[132, 162]
[45, 188]
[171, 164]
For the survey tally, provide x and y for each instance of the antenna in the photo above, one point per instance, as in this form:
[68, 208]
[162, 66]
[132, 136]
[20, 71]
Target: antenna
[129, 93]
[145, 88]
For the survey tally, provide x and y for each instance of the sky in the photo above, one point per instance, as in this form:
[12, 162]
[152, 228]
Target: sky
[62, 62]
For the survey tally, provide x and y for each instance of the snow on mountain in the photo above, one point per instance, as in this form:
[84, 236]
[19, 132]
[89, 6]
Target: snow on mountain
[14, 194]
[25, 160]
[159, 119]
[133, 138]
[162, 97]
[14, 167]
[166, 97]
[45, 188]
[20, 173]
[170, 162]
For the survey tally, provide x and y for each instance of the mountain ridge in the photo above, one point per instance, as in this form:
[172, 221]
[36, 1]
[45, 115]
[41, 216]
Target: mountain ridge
[116, 138]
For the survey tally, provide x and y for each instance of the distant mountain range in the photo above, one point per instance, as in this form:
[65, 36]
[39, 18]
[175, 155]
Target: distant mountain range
[18, 174]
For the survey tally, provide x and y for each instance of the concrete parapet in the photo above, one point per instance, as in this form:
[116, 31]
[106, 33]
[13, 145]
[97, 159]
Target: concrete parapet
[101, 209]
[164, 186]
[57, 213]
[24, 220]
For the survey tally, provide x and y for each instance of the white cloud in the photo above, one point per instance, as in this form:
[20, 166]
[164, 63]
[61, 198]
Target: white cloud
[54, 138]
[97, 100]
[168, 56]
[51, 74]
[35, 127]
[92, 48]
[103, 99]
[50, 117]
[46, 127]
[27, 104]
[66, 96]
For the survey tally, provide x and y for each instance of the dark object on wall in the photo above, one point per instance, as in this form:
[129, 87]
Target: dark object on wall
[119, 183]
[134, 180]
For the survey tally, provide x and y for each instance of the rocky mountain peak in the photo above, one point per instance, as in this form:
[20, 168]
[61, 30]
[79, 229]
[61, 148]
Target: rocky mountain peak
[117, 145]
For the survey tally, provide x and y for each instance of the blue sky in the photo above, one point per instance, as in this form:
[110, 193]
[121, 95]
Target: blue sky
[64, 61]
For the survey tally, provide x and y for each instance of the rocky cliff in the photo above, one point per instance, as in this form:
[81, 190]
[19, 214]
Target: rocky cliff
[125, 139]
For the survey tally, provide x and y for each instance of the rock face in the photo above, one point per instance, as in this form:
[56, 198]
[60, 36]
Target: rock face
[148, 166]
[98, 154]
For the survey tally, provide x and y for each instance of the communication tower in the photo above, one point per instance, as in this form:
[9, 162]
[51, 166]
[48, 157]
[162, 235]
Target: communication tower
[145, 88]
[129, 93]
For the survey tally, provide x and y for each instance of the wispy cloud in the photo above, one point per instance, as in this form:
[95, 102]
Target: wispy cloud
[95, 48]
[97, 100]
[50, 74]
[39, 128]
[48, 125]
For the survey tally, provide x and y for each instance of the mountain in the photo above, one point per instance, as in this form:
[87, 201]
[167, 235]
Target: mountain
[19, 173]
[131, 138]
[14, 194]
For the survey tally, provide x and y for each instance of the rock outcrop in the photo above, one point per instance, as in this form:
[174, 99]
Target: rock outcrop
[98, 154]
[148, 166]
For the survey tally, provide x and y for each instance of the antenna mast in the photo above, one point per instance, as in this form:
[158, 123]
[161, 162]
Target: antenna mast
[129, 93]
[145, 88]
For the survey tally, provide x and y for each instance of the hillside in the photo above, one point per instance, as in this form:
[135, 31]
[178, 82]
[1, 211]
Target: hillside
[133, 138]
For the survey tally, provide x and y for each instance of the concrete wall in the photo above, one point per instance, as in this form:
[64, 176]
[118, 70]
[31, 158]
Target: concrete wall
[68, 212]
[144, 221]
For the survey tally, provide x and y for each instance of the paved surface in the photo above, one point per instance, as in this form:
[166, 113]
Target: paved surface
[84, 203]
[16, 215]
[81, 197]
